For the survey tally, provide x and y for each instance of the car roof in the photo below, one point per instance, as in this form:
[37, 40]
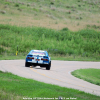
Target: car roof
[39, 51]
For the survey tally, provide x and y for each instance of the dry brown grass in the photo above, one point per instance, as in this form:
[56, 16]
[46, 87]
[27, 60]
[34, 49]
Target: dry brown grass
[43, 18]
[30, 21]
[5, 96]
[44, 22]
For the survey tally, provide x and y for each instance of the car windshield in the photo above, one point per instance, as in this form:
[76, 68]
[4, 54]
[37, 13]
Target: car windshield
[40, 53]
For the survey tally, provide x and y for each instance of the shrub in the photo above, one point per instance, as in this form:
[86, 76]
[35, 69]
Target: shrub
[69, 12]
[19, 9]
[28, 4]
[7, 3]
[16, 5]
[79, 5]
[1, 50]
[52, 3]
[3, 12]
[5, 6]
[79, 18]
[67, 6]
[65, 29]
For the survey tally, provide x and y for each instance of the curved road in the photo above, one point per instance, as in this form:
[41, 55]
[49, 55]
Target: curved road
[60, 73]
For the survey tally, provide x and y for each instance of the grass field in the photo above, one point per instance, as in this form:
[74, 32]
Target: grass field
[91, 75]
[13, 87]
[63, 43]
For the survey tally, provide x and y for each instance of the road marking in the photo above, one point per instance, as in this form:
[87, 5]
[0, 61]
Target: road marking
[62, 81]
[45, 75]
[38, 72]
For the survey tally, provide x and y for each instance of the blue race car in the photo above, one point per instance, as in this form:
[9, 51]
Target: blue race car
[38, 58]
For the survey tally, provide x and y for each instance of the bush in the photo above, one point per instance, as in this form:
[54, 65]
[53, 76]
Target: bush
[7, 3]
[85, 43]
[52, 3]
[1, 50]
[28, 4]
[65, 29]
[3, 12]
[16, 5]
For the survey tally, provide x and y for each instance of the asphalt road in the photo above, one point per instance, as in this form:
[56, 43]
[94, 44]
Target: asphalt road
[60, 73]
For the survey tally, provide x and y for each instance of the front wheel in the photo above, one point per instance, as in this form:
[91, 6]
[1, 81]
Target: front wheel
[48, 66]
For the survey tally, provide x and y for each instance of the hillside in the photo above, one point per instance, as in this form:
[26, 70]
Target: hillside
[64, 43]
[62, 27]
[55, 14]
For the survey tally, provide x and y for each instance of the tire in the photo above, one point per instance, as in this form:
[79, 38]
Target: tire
[48, 66]
[27, 64]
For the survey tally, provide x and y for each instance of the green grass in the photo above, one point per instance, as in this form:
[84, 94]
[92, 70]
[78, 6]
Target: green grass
[91, 75]
[53, 57]
[13, 87]
[64, 43]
